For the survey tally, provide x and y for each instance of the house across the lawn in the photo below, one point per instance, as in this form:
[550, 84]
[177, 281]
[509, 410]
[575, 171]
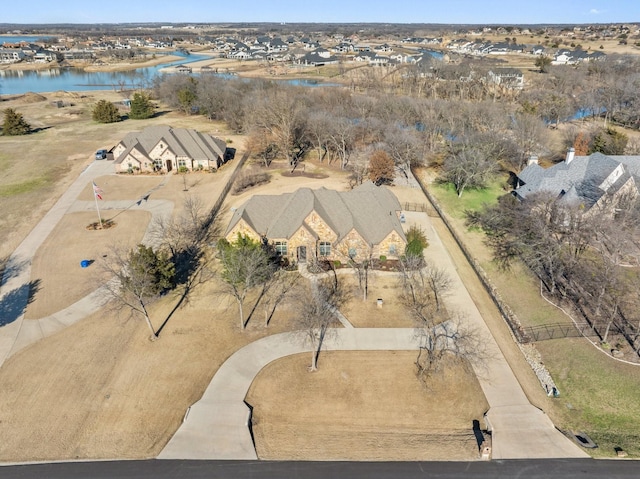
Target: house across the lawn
[594, 180]
[359, 224]
[162, 148]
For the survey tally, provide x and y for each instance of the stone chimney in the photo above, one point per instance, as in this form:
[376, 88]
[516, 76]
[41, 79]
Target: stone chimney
[533, 160]
[570, 155]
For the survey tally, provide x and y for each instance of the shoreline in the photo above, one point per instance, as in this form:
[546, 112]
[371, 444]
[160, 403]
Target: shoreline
[128, 66]
[102, 67]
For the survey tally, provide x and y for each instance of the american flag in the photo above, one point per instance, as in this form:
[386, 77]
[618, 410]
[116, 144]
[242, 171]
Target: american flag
[97, 191]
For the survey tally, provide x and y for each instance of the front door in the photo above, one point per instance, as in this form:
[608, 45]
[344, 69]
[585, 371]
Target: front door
[302, 254]
[169, 166]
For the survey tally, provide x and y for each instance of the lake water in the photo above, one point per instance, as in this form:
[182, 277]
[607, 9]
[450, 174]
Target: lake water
[25, 38]
[75, 79]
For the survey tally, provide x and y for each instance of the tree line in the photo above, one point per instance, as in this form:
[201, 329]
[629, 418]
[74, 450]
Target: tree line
[583, 255]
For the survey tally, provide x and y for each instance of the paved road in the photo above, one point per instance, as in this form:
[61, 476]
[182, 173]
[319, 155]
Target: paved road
[156, 469]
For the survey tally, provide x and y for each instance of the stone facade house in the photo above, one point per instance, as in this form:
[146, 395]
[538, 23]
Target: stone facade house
[162, 148]
[590, 181]
[322, 223]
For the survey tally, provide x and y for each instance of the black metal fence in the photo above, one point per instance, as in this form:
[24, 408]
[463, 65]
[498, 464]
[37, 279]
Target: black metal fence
[420, 207]
[545, 332]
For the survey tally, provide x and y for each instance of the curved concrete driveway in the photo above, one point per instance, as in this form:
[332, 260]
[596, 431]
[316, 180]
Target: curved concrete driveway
[16, 332]
[217, 426]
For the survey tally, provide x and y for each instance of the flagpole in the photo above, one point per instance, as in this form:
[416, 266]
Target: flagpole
[95, 197]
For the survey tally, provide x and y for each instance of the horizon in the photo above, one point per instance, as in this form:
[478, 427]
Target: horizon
[427, 12]
[223, 24]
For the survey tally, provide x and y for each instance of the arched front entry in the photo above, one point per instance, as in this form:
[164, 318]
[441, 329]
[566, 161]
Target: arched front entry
[302, 254]
[169, 166]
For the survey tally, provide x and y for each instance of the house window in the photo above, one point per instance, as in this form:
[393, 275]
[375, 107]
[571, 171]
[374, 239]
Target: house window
[157, 164]
[182, 163]
[324, 248]
[392, 249]
[281, 247]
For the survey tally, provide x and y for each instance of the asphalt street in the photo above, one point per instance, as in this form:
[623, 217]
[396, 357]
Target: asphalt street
[160, 469]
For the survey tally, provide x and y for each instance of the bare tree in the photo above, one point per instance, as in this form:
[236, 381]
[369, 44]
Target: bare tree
[404, 147]
[448, 341]
[262, 145]
[318, 124]
[340, 137]
[530, 136]
[468, 166]
[316, 313]
[282, 114]
[424, 286]
[359, 166]
[279, 286]
[362, 268]
[441, 335]
[186, 237]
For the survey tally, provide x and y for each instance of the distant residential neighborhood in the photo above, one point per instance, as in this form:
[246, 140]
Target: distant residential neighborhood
[320, 48]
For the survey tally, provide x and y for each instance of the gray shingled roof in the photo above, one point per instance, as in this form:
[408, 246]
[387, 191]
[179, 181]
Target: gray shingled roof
[183, 142]
[369, 209]
[579, 180]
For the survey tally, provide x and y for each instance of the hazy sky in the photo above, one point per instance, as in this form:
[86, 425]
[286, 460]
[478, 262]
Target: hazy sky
[392, 11]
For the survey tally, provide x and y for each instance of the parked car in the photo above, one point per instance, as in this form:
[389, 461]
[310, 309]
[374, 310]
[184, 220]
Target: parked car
[101, 154]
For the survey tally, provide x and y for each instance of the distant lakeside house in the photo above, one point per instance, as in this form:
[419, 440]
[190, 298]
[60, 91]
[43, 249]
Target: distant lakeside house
[359, 224]
[162, 149]
[590, 181]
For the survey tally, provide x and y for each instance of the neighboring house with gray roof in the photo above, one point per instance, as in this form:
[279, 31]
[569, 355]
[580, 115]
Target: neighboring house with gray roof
[594, 180]
[358, 224]
[162, 148]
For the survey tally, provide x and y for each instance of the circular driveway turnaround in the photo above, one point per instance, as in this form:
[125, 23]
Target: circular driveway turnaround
[217, 426]
[15, 332]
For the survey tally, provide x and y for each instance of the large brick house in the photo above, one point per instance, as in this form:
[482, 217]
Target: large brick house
[162, 148]
[322, 223]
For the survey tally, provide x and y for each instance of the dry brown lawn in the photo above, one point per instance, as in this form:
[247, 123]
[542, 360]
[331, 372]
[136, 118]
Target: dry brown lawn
[100, 389]
[61, 281]
[367, 314]
[56, 265]
[364, 406]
